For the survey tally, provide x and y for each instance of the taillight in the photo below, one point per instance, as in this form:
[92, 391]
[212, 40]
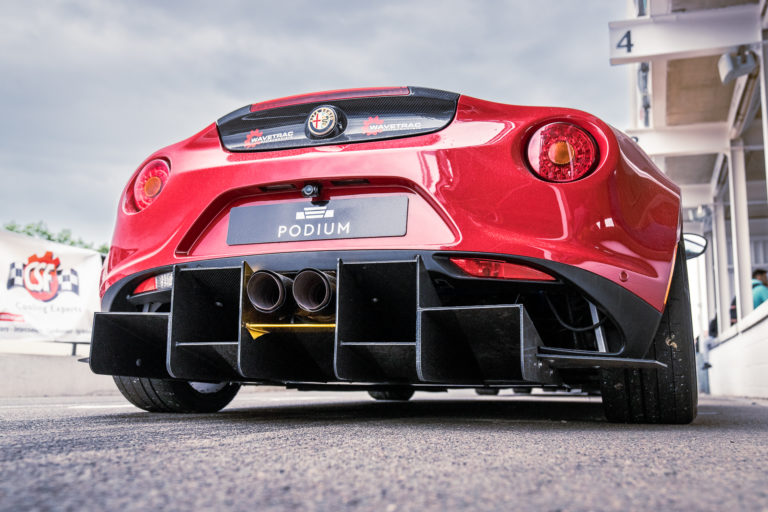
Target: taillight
[150, 182]
[561, 152]
[499, 269]
[158, 282]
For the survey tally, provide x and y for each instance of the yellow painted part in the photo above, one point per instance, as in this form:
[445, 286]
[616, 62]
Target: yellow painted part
[258, 330]
[671, 275]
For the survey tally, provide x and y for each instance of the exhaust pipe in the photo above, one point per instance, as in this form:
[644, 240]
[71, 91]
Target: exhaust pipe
[268, 292]
[314, 292]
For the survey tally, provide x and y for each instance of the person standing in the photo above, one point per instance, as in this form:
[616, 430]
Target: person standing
[759, 286]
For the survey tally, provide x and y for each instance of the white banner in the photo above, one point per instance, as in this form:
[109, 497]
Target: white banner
[48, 291]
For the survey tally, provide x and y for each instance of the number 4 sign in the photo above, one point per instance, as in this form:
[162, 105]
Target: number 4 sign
[625, 42]
[684, 34]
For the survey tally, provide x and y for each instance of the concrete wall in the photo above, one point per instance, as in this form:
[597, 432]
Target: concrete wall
[23, 375]
[740, 364]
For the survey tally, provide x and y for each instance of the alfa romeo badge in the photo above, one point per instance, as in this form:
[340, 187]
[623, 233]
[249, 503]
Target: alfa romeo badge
[322, 121]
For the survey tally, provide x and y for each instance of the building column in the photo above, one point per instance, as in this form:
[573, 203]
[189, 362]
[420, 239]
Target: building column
[723, 293]
[742, 257]
[709, 277]
[762, 61]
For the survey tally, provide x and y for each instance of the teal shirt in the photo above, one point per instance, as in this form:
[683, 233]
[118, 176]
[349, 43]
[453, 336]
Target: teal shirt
[759, 292]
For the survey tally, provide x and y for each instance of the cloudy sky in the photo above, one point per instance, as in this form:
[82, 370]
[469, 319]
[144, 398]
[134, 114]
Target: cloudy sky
[89, 88]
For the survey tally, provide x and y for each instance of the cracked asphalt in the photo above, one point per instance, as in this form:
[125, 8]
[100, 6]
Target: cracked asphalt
[287, 450]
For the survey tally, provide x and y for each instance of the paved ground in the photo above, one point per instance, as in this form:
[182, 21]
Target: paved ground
[334, 451]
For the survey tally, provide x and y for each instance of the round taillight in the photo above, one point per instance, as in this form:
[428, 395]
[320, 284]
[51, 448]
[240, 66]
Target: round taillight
[561, 152]
[150, 182]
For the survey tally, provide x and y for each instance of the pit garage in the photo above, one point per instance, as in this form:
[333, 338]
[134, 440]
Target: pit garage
[698, 104]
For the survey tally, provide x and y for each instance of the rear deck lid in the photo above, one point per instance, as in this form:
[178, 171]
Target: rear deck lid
[338, 117]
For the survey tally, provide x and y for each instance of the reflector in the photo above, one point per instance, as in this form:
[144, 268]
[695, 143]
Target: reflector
[146, 286]
[158, 282]
[498, 269]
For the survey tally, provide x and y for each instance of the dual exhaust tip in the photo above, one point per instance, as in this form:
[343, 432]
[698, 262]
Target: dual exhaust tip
[312, 291]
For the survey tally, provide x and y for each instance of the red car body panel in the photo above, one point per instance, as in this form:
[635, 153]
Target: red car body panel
[469, 187]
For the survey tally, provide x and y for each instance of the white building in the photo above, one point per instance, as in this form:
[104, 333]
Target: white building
[699, 100]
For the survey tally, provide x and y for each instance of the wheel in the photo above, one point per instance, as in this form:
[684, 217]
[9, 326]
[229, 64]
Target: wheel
[668, 395]
[487, 391]
[392, 394]
[158, 395]
[521, 390]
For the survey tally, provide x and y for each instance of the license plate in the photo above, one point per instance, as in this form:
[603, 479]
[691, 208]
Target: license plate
[369, 217]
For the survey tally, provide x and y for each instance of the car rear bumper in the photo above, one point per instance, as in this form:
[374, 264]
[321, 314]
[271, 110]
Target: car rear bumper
[402, 318]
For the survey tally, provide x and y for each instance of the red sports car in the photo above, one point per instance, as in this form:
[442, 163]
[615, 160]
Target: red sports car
[396, 240]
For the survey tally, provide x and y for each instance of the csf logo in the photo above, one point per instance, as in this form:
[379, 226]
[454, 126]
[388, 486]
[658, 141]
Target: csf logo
[43, 277]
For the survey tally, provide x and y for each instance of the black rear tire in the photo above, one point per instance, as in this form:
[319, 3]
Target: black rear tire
[158, 395]
[487, 391]
[668, 395]
[400, 395]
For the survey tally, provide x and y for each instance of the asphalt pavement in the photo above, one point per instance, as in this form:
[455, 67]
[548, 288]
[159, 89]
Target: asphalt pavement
[342, 451]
